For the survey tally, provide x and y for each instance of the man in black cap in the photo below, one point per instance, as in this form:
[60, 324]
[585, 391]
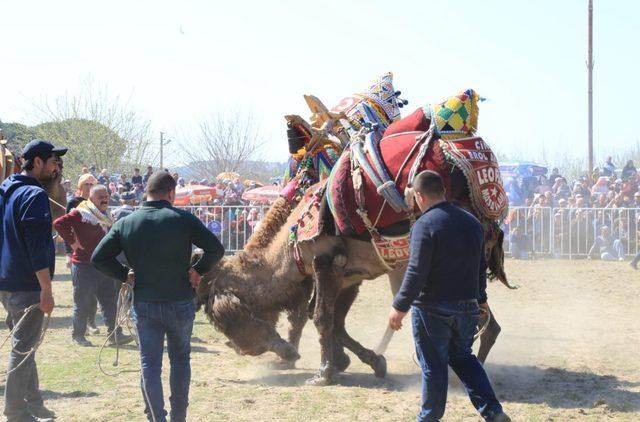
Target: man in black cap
[27, 263]
[157, 240]
[127, 206]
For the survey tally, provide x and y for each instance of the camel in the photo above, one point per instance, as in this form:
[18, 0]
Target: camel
[244, 294]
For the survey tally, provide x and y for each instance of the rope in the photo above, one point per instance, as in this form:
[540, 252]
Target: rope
[58, 204]
[475, 337]
[123, 319]
[32, 351]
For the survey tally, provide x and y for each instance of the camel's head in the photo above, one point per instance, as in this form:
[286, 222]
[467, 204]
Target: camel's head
[225, 309]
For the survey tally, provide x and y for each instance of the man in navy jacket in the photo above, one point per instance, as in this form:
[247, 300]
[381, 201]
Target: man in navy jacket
[27, 261]
[444, 286]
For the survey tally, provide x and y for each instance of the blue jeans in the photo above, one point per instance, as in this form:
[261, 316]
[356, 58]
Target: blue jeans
[443, 334]
[22, 388]
[153, 321]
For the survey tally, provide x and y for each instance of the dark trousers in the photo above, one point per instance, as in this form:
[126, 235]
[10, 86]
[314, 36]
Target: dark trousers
[22, 387]
[443, 334]
[153, 321]
[89, 283]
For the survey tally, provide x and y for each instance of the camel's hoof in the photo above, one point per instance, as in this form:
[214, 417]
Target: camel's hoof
[286, 351]
[282, 365]
[324, 376]
[380, 368]
[342, 361]
[319, 381]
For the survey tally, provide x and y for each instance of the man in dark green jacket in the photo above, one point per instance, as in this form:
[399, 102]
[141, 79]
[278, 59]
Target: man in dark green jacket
[157, 241]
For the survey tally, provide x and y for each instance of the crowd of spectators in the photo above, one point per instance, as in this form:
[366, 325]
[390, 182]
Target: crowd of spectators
[595, 215]
[225, 213]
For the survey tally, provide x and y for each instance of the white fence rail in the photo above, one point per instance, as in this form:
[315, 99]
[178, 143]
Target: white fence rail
[543, 231]
[571, 232]
[233, 225]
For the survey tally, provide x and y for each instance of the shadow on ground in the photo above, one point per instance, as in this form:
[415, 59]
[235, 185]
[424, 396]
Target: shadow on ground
[54, 395]
[562, 388]
[554, 387]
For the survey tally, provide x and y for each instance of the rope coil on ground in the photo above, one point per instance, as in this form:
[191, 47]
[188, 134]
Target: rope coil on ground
[123, 319]
[30, 352]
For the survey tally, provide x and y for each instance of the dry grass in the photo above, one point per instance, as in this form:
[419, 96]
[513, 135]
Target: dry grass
[568, 350]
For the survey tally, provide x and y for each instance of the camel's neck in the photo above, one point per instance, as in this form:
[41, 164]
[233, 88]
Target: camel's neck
[57, 196]
[262, 278]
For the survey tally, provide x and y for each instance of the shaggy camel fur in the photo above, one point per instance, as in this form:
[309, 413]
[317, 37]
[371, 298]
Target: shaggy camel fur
[244, 294]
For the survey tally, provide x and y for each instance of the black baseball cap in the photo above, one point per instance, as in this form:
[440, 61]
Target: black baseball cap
[128, 196]
[41, 148]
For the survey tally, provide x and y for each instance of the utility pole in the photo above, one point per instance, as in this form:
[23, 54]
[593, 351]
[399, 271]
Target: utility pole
[590, 93]
[162, 145]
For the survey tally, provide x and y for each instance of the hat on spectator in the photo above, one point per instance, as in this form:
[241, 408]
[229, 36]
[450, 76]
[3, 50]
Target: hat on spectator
[127, 196]
[42, 149]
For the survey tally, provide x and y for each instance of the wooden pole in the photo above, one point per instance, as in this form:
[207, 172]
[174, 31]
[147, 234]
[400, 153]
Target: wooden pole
[590, 91]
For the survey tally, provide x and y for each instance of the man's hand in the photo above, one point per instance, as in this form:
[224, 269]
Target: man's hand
[76, 246]
[395, 319]
[194, 278]
[131, 278]
[46, 301]
[484, 308]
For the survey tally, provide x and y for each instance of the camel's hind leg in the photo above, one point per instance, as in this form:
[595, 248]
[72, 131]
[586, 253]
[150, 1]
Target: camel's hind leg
[327, 286]
[343, 304]
[488, 338]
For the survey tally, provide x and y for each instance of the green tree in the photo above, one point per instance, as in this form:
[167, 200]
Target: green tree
[17, 135]
[98, 129]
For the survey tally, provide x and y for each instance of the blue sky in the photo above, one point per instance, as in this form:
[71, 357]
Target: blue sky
[176, 62]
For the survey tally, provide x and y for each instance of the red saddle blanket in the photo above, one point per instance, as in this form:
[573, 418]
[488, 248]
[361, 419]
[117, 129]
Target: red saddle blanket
[470, 155]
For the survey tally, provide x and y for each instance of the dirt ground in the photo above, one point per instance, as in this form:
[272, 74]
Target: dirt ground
[568, 351]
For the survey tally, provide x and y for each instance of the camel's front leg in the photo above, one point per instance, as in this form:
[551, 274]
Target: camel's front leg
[327, 285]
[342, 338]
[297, 315]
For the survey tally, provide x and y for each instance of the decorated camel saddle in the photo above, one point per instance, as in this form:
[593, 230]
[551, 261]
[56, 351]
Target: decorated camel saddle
[315, 146]
[368, 190]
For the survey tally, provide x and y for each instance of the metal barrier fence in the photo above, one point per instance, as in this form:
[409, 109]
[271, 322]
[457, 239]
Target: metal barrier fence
[233, 225]
[542, 231]
[572, 232]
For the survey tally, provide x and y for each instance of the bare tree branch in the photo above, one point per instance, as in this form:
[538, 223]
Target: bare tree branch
[225, 142]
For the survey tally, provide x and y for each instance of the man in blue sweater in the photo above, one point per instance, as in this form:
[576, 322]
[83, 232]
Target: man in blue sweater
[444, 286]
[27, 261]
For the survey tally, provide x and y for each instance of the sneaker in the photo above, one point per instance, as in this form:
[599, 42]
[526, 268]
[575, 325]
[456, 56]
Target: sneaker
[81, 341]
[41, 412]
[92, 329]
[121, 340]
[499, 417]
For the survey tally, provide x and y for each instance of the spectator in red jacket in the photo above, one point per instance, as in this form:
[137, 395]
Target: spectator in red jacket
[83, 228]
